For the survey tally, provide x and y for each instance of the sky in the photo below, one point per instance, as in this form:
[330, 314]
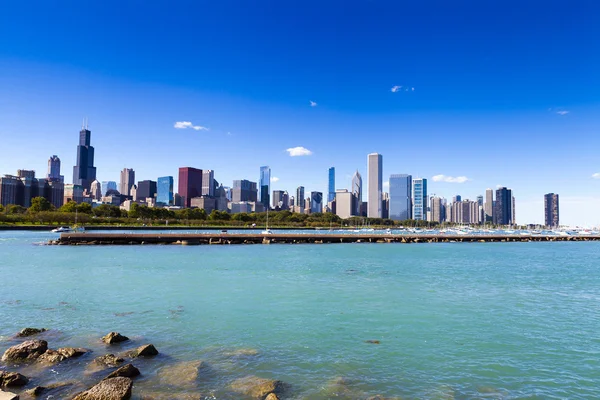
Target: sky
[469, 94]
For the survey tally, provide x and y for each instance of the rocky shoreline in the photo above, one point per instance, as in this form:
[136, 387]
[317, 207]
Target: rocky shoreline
[117, 374]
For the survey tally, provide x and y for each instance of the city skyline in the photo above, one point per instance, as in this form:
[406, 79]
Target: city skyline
[486, 110]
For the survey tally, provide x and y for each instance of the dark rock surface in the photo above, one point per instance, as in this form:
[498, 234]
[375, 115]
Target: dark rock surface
[258, 388]
[26, 332]
[12, 379]
[114, 337]
[110, 389]
[126, 371]
[29, 350]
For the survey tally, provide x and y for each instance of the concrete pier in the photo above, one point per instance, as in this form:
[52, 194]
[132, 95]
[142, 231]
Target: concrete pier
[291, 238]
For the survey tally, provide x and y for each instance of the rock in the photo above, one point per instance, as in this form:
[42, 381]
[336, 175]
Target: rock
[108, 360]
[170, 395]
[258, 388]
[26, 332]
[114, 337]
[56, 356]
[342, 388]
[8, 396]
[110, 389]
[372, 341]
[380, 397]
[272, 396]
[27, 351]
[182, 374]
[12, 379]
[147, 350]
[36, 391]
[126, 371]
[241, 353]
[52, 390]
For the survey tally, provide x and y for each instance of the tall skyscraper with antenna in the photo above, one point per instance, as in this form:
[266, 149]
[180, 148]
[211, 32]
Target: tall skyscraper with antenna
[84, 172]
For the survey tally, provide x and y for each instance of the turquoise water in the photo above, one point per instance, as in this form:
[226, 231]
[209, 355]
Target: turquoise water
[454, 320]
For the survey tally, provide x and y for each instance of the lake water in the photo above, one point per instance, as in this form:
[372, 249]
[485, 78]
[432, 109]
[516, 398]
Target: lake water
[453, 320]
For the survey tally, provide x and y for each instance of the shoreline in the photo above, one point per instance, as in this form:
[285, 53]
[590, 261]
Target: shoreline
[295, 238]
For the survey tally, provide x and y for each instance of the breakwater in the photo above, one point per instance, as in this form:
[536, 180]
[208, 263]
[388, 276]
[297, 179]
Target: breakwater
[295, 238]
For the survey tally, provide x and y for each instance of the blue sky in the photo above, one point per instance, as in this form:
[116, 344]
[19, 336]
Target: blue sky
[505, 93]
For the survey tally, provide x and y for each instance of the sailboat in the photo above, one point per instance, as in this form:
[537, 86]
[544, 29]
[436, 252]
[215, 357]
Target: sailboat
[267, 231]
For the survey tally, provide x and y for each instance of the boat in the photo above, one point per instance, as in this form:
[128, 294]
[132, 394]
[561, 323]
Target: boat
[61, 229]
[267, 231]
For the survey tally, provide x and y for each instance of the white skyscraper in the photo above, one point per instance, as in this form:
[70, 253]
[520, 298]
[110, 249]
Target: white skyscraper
[375, 182]
[488, 205]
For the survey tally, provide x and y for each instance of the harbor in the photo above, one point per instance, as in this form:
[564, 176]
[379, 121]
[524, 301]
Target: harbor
[226, 238]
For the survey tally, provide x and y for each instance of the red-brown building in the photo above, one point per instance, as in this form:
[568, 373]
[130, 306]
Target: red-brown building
[190, 184]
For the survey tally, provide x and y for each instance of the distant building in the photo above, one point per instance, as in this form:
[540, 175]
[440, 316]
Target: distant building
[488, 206]
[96, 190]
[241, 207]
[504, 207]
[84, 172]
[357, 193]
[164, 191]
[419, 199]
[190, 184]
[344, 203]
[108, 185]
[316, 202]
[457, 198]
[133, 193]
[264, 186]
[480, 200]
[375, 182]
[437, 209]
[10, 190]
[244, 190]
[208, 183]
[400, 197]
[206, 203]
[331, 185]
[56, 192]
[385, 205]
[300, 199]
[146, 189]
[73, 193]
[54, 169]
[280, 200]
[127, 181]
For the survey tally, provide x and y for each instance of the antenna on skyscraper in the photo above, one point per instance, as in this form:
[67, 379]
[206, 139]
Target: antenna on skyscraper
[83, 123]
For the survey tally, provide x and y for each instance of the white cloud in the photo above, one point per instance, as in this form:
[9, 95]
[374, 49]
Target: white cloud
[274, 179]
[450, 179]
[313, 103]
[299, 151]
[386, 184]
[563, 112]
[188, 124]
[396, 89]
[596, 175]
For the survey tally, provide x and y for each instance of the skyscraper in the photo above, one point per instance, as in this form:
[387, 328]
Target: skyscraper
[480, 200]
[54, 169]
[164, 191]
[108, 185]
[316, 202]
[300, 199]
[208, 183]
[243, 190]
[331, 185]
[437, 209]
[264, 186]
[146, 189]
[375, 177]
[127, 181]
[96, 190]
[489, 205]
[84, 172]
[400, 197]
[504, 207]
[551, 210]
[419, 199]
[357, 193]
[190, 184]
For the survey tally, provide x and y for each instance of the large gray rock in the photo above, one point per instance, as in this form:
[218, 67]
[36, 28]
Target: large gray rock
[26, 332]
[183, 373]
[53, 390]
[27, 351]
[147, 350]
[64, 353]
[8, 396]
[127, 371]
[108, 360]
[114, 337]
[258, 388]
[12, 379]
[111, 389]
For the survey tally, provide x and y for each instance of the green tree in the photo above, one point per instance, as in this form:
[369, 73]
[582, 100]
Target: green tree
[1, 208]
[39, 204]
[68, 207]
[13, 209]
[84, 208]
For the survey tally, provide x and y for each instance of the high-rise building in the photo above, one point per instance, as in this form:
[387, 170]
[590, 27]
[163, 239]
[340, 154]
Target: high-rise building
[437, 209]
[84, 172]
[164, 191]
[244, 190]
[127, 181]
[400, 197]
[375, 177]
[489, 205]
[551, 210]
[280, 199]
[316, 202]
[357, 193]
[457, 198]
[331, 185]
[11, 190]
[419, 199]
[208, 183]
[300, 199]
[344, 203]
[54, 169]
[504, 207]
[108, 185]
[190, 184]
[146, 189]
[480, 200]
[265, 186]
[96, 190]
[73, 193]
